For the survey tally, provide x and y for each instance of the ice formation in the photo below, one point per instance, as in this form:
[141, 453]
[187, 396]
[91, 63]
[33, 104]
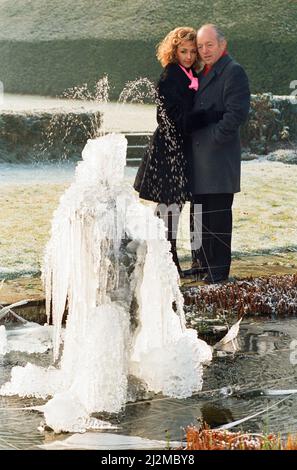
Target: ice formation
[108, 263]
[30, 338]
[3, 340]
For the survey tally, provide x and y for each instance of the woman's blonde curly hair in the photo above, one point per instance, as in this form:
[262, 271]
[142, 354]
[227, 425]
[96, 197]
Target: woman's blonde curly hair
[166, 49]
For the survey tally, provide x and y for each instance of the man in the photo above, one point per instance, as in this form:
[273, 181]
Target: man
[223, 87]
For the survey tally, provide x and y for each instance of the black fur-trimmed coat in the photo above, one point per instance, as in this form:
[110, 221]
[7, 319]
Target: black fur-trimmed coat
[164, 172]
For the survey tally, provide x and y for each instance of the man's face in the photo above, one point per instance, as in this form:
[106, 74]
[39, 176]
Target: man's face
[209, 47]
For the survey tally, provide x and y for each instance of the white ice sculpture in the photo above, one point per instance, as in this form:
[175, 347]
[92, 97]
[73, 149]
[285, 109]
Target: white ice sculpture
[108, 260]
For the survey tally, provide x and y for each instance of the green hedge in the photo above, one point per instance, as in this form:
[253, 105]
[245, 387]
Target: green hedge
[43, 136]
[49, 67]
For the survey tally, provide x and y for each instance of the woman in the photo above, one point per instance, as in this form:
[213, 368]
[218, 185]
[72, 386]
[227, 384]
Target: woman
[164, 173]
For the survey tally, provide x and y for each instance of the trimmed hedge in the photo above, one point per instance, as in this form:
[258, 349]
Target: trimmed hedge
[49, 67]
[43, 136]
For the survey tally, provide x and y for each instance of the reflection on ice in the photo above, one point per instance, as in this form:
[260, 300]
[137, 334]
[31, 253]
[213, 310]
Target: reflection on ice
[30, 338]
[103, 441]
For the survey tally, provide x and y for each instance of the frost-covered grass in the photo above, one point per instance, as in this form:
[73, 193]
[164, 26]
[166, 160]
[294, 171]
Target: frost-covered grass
[265, 216]
[265, 211]
[26, 212]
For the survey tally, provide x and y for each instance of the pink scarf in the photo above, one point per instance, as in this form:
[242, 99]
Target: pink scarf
[194, 80]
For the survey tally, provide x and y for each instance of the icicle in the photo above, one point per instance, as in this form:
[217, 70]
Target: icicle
[109, 260]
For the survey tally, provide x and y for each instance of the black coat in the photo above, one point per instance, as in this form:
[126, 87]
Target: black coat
[216, 148]
[164, 171]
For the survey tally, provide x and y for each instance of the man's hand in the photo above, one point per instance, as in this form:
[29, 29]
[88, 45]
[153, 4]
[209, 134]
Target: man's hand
[202, 118]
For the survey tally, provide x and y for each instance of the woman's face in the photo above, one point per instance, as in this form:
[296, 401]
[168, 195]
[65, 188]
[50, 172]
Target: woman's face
[186, 53]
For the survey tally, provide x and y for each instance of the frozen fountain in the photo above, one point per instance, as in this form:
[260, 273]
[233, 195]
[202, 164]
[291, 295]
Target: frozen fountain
[109, 268]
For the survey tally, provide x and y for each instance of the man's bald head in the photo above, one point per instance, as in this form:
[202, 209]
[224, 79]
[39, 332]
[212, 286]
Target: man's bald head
[210, 27]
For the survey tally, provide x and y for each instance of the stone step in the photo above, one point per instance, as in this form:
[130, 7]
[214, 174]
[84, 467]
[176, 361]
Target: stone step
[137, 144]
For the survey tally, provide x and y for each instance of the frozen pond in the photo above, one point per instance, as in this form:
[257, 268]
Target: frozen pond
[29, 174]
[40, 173]
[259, 377]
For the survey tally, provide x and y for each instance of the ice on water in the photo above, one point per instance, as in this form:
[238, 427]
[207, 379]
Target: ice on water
[108, 263]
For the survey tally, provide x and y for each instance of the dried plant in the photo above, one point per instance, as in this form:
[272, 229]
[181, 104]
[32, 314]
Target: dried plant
[204, 438]
[255, 296]
[266, 124]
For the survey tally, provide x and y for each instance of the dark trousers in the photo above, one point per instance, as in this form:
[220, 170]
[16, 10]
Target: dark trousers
[214, 254]
[170, 215]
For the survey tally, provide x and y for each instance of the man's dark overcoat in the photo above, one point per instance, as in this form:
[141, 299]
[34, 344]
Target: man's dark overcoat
[216, 148]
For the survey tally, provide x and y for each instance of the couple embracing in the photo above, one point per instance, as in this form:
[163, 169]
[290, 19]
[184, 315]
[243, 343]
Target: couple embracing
[202, 99]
